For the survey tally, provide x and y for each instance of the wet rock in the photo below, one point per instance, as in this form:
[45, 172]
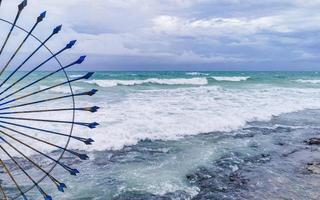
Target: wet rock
[254, 145]
[136, 195]
[222, 180]
[313, 168]
[244, 135]
[261, 158]
[237, 178]
[280, 143]
[291, 152]
[313, 141]
[139, 196]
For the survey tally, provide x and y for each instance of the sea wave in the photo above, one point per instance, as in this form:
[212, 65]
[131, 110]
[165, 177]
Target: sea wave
[196, 73]
[171, 114]
[314, 81]
[75, 76]
[230, 78]
[61, 89]
[177, 81]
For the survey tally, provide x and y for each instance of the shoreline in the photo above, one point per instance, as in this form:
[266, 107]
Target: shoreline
[261, 161]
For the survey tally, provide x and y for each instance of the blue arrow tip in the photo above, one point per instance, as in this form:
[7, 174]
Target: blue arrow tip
[57, 29]
[61, 187]
[41, 16]
[83, 156]
[94, 109]
[71, 43]
[81, 59]
[47, 197]
[88, 75]
[22, 5]
[88, 141]
[74, 172]
[92, 92]
[93, 125]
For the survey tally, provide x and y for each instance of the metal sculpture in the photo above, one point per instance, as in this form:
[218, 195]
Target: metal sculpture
[18, 133]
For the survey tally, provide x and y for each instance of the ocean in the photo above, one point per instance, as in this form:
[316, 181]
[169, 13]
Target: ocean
[192, 135]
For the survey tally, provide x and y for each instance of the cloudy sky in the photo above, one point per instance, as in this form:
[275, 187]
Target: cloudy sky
[182, 34]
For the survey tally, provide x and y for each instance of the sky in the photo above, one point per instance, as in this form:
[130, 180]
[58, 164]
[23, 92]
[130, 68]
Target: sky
[180, 34]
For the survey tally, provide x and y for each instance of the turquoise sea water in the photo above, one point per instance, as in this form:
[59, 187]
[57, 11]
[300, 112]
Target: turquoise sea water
[192, 135]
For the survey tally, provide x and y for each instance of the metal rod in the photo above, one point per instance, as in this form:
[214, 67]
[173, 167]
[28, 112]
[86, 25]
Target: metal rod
[54, 180]
[19, 166]
[69, 169]
[20, 8]
[79, 61]
[88, 75]
[55, 31]
[39, 19]
[90, 125]
[4, 196]
[87, 141]
[81, 156]
[90, 93]
[89, 109]
[68, 46]
[12, 178]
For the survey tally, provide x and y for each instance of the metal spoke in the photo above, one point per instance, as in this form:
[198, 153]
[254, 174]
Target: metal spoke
[12, 178]
[89, 109]
[69, 169]
[88, 75]
[20, 8]
[87, 141]
[81, 156]
[90, 125]
[59, 185]
[21, 168]
[89, 93]
[55, 31]
[16, 132]
[68, 46]
[4, 196]
[39, 19]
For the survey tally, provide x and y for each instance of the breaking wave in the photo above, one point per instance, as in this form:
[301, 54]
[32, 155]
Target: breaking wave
[61, 89]
[314, 81]
[230, 78]
[177, 81]
[196, 73]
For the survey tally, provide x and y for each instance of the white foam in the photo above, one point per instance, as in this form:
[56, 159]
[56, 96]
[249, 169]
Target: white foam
[173, 113]
[176, 81]
[61, 89]
[314, 81]
[75, 76]
[230, 78]
[196, 73]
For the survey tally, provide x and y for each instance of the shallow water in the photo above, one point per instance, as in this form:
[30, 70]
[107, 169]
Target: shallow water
[264, 160]
[191, 135]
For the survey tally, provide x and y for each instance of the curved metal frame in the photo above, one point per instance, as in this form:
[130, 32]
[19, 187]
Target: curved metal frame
[73, 103]
[55, 162]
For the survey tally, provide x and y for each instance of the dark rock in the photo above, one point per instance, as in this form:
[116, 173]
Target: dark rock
[313, 141]
[262, 158]
[237, 178]
[245, 135]
[291, 152]
[136, 195]
[280, 143]
[313, 168]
